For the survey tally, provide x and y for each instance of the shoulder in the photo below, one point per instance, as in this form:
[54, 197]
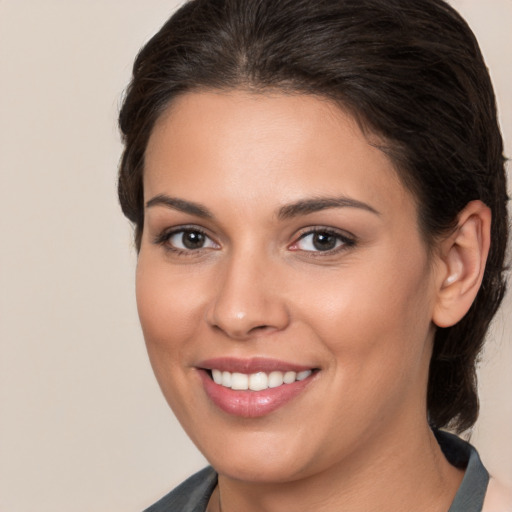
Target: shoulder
[190, 496]
[498, 497]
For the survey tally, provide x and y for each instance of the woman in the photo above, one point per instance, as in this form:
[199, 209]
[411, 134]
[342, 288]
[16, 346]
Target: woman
[319, 199]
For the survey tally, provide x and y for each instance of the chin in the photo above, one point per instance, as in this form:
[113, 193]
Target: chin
[260, 471]
[258, 456]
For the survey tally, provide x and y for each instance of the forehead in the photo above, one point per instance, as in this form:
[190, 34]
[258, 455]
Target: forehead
[265, 148]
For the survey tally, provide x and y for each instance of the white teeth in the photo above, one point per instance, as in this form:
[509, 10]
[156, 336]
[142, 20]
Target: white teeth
[257, 381]
[239, 381]
[217, 376]
[289, 377]
[303, 375]
[275, 379]
[226, 379]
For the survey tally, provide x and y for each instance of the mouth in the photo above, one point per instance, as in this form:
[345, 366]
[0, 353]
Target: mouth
[253, 388]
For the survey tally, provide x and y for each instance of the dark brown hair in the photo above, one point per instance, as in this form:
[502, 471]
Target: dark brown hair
[410, 71]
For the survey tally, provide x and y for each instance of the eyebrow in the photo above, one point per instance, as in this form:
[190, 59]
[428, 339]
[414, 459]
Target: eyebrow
[307, 206]
[301, 207]
[181, 205]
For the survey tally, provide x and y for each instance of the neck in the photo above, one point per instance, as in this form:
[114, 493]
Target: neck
[398, 471]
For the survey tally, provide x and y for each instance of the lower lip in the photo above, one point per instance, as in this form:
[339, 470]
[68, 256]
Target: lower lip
[251, 404]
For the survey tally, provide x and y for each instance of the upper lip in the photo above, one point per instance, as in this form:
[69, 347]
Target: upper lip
[251, 365]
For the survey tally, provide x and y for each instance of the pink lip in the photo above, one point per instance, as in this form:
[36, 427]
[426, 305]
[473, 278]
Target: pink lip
[251, 404]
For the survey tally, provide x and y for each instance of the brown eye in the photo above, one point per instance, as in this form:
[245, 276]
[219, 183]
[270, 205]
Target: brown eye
[324, 241]
[193, 239]
[189, 240]
[321, 240]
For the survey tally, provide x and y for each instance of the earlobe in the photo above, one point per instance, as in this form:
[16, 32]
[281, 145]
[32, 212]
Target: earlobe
[463, 257]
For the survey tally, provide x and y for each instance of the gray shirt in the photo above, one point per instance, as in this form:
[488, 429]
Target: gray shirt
[193, 494]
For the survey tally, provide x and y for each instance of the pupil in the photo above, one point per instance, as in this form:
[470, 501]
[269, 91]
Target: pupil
[193, 240]
[324, 241]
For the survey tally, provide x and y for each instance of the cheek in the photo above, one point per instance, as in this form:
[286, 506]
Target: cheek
[373, 317]
[169, 305]
[377, 335]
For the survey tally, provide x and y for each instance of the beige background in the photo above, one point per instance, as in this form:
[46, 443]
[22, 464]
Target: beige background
[83, 426]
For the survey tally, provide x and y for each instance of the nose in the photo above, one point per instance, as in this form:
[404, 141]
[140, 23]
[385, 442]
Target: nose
[248, 301]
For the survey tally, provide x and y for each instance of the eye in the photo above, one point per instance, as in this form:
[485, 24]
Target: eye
[322, 240]
[188, 239]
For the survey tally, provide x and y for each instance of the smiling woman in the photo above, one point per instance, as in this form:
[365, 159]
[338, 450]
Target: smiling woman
[321, 225]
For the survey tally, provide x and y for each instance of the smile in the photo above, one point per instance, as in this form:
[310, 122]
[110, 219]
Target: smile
[257, 381]
[251, 388]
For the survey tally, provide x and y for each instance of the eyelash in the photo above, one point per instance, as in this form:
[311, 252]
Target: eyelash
[347, 241]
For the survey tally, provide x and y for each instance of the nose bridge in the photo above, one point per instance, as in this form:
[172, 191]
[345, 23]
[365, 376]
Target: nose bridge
[247, 300]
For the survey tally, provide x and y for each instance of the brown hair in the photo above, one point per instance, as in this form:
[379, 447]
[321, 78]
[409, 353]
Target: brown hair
[410, 71]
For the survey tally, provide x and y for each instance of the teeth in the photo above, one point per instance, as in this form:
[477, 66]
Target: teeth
[239, 381]
[257, 381]
[303, 375]
[289, 377]
[275, 379]
[217, 376]
[226, 379]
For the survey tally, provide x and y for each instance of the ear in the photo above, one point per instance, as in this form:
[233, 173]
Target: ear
[462, 257]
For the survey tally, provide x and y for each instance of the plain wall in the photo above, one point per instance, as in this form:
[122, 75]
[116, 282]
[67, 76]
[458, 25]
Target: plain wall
[83, 426]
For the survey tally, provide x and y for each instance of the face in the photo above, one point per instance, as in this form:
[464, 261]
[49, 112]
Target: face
[283, 286]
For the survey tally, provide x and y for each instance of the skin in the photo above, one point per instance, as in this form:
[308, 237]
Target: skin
[363, 313]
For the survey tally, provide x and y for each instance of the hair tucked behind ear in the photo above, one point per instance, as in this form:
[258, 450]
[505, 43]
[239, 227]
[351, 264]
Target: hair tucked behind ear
[409, 70]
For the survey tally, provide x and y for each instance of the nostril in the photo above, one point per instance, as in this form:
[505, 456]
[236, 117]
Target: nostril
[261, 328]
